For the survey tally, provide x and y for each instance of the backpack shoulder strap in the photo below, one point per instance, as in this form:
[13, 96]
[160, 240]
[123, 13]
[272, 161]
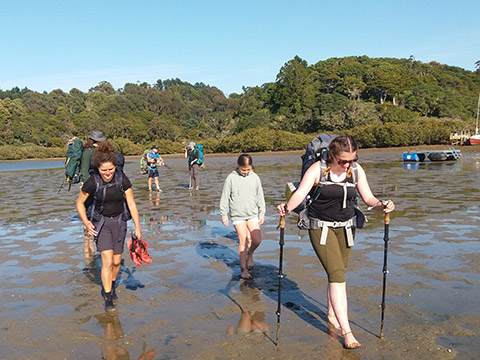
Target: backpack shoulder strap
[355, 173]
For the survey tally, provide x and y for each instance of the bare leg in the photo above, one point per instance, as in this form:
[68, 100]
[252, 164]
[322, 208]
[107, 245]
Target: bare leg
[157, 183]
[332, 319]
[242, 248]
[338, 298]
[107, 270]
[149, 183]
[256, 239]
[117, 259]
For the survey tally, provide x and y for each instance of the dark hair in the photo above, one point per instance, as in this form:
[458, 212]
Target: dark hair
[341, 143]
[245, 160]
[88, 144]
[103, 153]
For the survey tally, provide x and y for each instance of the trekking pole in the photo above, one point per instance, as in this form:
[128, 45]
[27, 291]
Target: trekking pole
[280, 275]
[385, 271]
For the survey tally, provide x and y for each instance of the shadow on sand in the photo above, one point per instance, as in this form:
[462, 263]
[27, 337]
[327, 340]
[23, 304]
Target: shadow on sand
[265, 279]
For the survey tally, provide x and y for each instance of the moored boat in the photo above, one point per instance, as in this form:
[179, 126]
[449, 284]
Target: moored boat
[433, 155]
[475, 139]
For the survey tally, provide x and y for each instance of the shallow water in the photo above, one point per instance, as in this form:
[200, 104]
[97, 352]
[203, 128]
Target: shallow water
[190, 304]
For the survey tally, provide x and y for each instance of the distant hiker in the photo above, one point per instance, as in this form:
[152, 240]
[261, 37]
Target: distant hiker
[154, 160]
[331, 215]
[242, 198]
[192, 153]
[144, 162]
[110, 197]
[93, 139]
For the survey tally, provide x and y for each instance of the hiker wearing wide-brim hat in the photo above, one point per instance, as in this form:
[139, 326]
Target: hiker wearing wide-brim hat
[93, 139]
[97, 136]
[331, 213]
[87, 150]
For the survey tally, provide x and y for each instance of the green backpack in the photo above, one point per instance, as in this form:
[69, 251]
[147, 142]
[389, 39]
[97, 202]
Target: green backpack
[72, 162]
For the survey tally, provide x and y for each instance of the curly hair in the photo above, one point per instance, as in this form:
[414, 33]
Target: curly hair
[103, 153]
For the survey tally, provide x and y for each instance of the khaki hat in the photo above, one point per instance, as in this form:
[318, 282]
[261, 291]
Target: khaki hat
[97, 136]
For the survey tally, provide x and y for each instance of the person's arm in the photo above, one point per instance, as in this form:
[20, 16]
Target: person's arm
[161, 161]
[260, 200]
[132, 206]
[186, 152]
[82, 212]
[225, 201]
[367, 196]
[311, 177]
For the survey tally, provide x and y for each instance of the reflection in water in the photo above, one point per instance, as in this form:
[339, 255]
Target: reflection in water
[114, 345]
[154, 199]
[250, 321]
[266, 282]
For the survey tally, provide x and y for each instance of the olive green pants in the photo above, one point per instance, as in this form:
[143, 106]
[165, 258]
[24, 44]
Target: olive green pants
[334, 255]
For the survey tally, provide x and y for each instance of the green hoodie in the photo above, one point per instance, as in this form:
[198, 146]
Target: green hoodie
[242, 197]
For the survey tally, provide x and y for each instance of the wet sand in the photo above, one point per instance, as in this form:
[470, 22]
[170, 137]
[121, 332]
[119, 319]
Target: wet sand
[190, 303]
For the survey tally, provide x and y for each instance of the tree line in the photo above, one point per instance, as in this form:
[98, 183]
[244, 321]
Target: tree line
[381, 101]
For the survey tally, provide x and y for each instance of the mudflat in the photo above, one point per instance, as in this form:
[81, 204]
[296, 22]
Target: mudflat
[190, 302]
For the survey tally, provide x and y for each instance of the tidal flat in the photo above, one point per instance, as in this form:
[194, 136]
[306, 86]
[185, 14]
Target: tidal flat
[190, 302]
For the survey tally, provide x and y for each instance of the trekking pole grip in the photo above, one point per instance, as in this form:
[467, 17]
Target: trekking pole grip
[387, 218]
[282, 222]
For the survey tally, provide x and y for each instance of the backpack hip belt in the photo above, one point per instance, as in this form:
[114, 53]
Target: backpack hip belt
[316, 224]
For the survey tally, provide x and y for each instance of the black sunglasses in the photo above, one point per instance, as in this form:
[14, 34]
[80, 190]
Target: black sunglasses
[343, 162]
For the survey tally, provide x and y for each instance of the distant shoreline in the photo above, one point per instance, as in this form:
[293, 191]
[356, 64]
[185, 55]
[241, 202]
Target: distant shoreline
[464, 148]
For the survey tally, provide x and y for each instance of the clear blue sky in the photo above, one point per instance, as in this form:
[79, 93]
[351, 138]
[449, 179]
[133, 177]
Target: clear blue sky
[69, 44]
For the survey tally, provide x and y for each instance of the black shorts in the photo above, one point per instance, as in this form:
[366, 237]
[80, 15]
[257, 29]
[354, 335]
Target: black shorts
[152, 173]
[112, 235]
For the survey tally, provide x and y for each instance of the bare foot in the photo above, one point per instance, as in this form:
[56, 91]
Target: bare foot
[349, 341]
[245, 275]
[332, 320]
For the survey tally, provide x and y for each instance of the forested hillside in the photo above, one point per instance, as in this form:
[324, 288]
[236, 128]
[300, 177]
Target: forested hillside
[381, 101]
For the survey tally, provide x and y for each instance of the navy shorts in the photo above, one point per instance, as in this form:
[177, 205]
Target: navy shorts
[112, 235]
[152, 173]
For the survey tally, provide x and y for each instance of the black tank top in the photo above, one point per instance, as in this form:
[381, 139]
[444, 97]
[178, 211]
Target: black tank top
[329, 205]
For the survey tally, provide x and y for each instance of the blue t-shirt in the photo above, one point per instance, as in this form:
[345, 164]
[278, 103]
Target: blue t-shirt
[153, 156]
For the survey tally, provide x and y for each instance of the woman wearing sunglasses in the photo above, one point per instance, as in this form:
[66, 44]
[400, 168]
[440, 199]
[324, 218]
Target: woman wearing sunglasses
[334, 213]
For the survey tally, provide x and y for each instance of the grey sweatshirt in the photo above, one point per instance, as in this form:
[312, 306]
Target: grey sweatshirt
[242, 197]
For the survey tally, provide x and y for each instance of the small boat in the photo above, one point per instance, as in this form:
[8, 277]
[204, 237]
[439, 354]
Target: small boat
[444, 155]
[414, 156]
[475, 139]
[433, 155]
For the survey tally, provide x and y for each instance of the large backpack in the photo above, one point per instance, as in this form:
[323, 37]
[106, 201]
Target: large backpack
[144, 162]
[199, 148]
[72, 162]
[317, 150]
